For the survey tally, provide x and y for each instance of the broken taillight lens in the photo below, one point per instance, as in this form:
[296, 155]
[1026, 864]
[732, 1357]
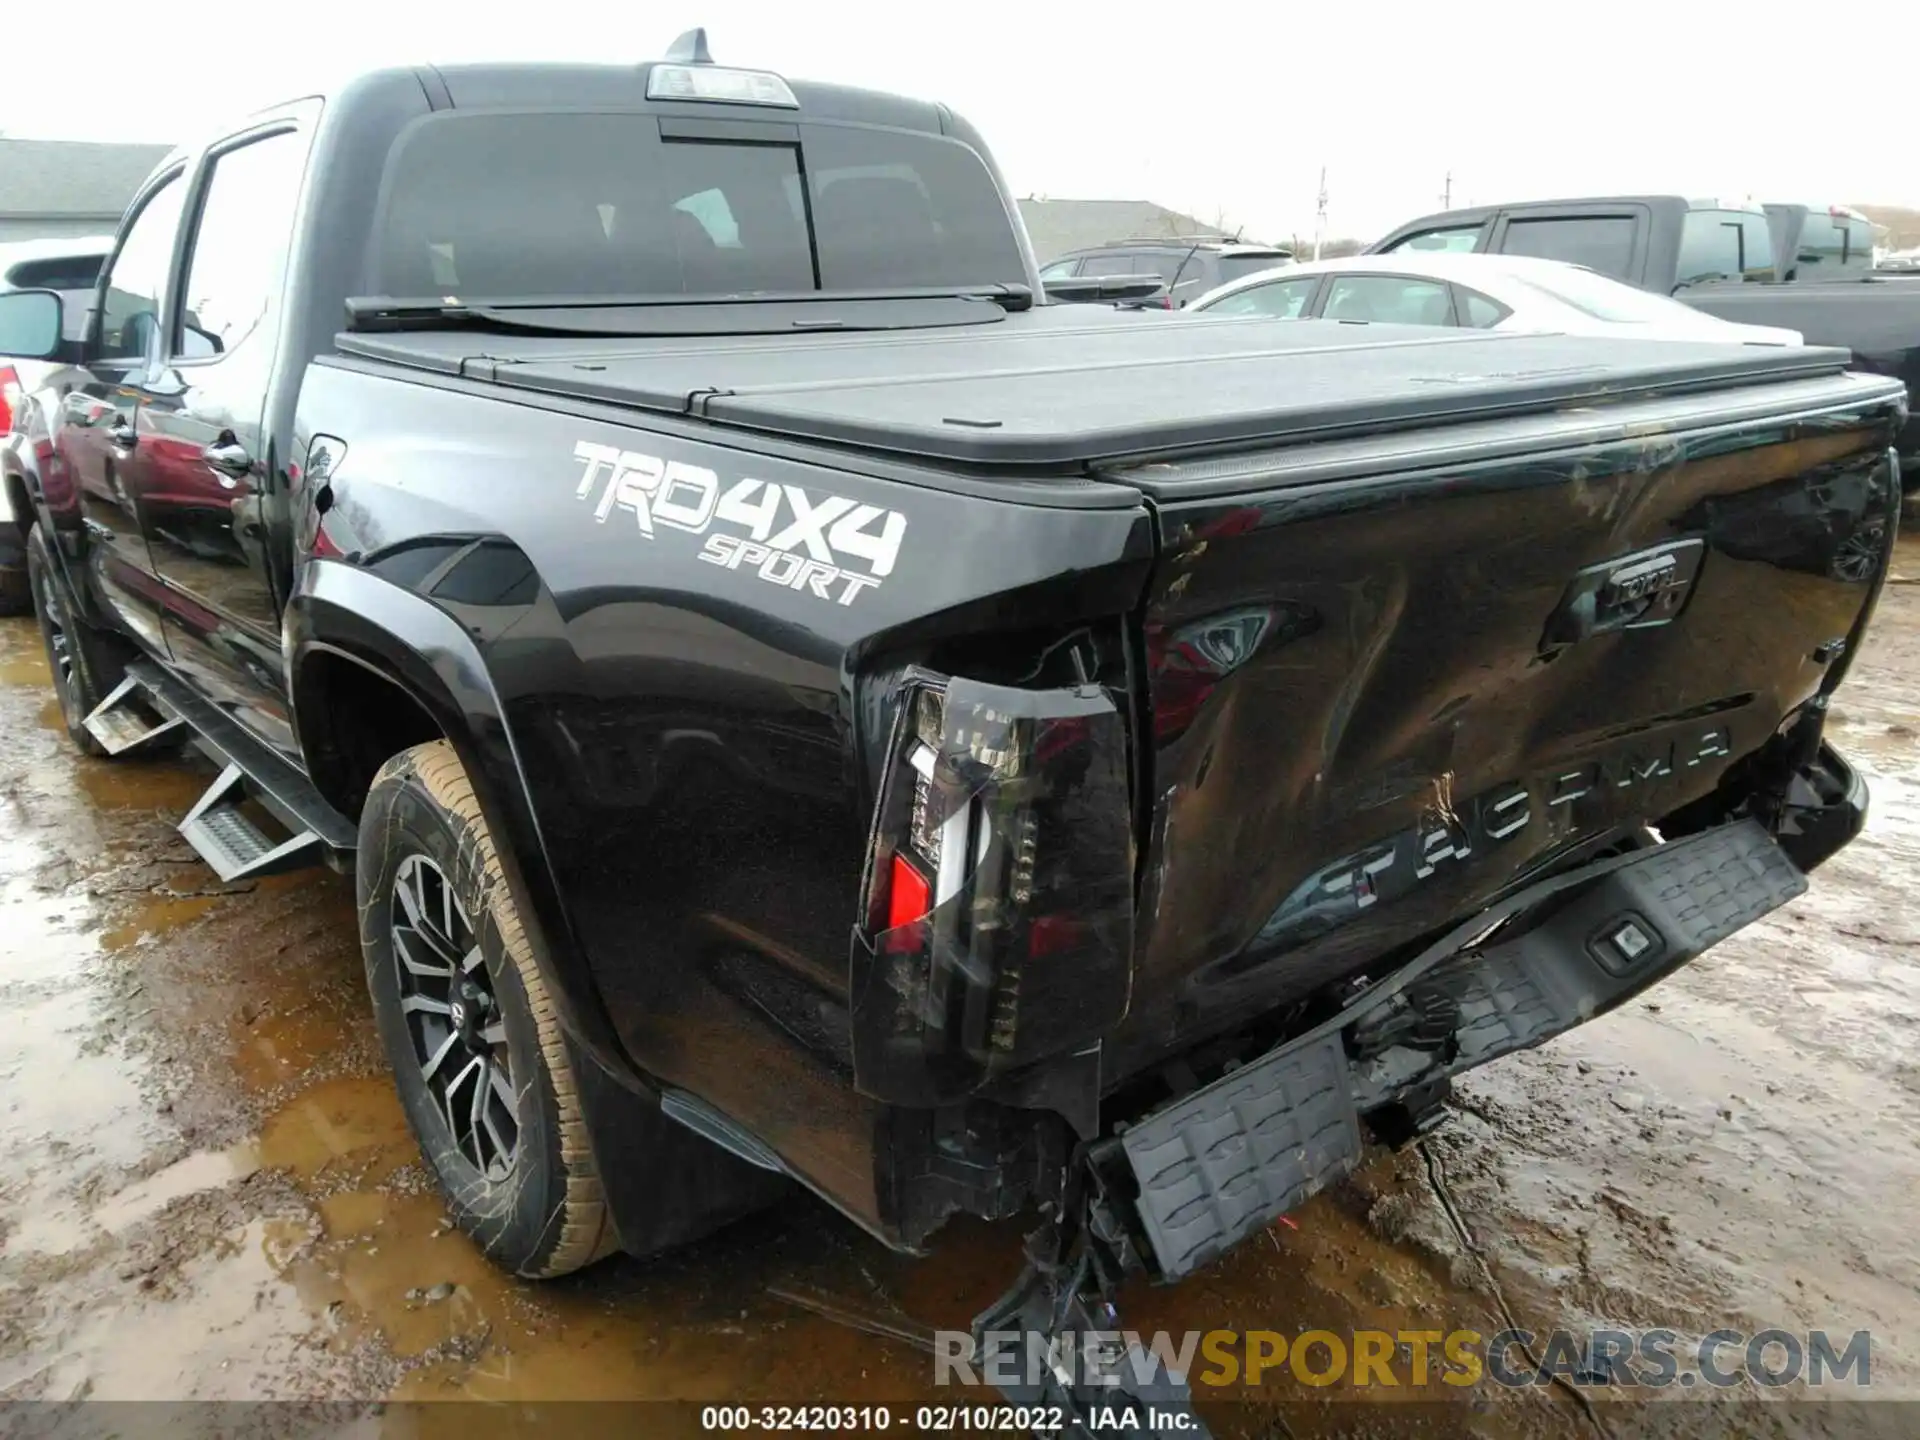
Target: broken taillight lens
[1005, 817]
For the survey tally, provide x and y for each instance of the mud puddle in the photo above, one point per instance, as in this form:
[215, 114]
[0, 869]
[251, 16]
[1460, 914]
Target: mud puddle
[207, 1189]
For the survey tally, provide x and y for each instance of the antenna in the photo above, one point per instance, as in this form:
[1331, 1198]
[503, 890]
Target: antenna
[690, 49]
[1320, 219]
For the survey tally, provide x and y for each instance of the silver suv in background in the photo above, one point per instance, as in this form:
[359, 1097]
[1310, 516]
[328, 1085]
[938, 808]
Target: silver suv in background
[70, 267]
[1189, 266]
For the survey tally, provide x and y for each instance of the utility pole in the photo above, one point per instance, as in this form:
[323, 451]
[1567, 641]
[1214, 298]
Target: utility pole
[1320, 220]
[1446, 195]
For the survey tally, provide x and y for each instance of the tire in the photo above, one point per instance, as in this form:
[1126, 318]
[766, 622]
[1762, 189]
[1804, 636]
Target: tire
[452, 972]
[16, 592]
[86, 665]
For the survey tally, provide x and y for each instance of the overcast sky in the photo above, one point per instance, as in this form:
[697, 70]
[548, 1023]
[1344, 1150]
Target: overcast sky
[1226, 118]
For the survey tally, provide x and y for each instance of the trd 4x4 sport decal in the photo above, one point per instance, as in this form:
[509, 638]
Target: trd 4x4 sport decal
[786, 536]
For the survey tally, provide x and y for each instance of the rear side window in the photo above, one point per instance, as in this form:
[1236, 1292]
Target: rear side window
[1724, 245]
[1599, 242]
[1171, 264]
[1481, 312]
[1388, 300]
[1121, 264]
[599, 205]
[57, 272]
[1830, 243]
[1282, 300]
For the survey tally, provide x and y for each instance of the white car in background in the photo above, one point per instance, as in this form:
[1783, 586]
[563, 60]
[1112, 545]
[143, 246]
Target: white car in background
[1482, 292]
[70, 267]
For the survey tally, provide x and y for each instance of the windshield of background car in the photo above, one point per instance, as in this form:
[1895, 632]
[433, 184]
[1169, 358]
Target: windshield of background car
[1605, 299]
[514, 205]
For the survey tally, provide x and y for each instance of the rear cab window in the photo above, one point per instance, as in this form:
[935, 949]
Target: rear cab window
[1833, 245]
[1724, 245]
[595, 204]
[1599, 242]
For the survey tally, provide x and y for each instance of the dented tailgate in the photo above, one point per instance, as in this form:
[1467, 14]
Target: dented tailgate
[1391, 679]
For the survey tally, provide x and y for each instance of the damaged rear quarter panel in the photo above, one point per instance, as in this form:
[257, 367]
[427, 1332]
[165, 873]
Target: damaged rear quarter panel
[675, 668]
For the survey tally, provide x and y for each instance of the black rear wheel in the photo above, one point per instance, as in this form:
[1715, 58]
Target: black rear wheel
[85, 664]
[472, 1035]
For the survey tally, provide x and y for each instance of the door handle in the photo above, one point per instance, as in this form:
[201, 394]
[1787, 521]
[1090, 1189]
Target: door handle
[121, 433]
[228, 459]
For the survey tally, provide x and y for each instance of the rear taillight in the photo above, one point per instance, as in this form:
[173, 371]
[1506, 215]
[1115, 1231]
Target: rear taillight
[999, 916]
[10, 396]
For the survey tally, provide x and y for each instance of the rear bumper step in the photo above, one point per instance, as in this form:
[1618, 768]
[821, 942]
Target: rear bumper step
[1213, 1167]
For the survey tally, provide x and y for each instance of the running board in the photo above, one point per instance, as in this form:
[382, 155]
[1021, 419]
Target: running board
[222, 833]
[237, 849]
[120, 727]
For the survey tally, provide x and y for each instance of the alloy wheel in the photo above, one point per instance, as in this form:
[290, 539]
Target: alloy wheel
[453, 1018]
[53, 625]
[1859, 554]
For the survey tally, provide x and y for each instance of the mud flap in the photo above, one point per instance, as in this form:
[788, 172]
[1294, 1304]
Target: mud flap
[1231, 1158]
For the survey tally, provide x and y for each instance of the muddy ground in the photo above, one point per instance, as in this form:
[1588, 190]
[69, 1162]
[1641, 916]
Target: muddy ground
[207, 1190]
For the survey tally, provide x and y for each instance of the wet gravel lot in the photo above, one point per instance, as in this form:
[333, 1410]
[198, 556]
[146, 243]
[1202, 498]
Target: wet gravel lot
[207, 1190]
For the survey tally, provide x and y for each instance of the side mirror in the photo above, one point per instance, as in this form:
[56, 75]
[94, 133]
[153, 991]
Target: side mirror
[30, 324]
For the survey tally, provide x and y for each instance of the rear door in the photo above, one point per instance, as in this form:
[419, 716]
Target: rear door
[213, 468]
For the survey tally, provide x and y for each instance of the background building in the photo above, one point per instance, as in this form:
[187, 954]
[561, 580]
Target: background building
[1058, 227]
[68, 187]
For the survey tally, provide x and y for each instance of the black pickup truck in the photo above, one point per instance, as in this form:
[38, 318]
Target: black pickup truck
[799, 708]
[1801, 267]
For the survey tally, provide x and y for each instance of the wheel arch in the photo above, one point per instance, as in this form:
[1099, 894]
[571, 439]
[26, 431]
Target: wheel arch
[346, 626]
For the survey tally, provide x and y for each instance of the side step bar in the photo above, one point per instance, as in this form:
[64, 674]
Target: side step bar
[219, 830]
[118, 723]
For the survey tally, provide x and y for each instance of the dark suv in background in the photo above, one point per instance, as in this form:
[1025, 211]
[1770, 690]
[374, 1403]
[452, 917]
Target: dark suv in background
[1188, 266]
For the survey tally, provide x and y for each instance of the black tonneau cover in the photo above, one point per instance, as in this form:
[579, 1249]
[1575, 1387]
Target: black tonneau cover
[1069, 385]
